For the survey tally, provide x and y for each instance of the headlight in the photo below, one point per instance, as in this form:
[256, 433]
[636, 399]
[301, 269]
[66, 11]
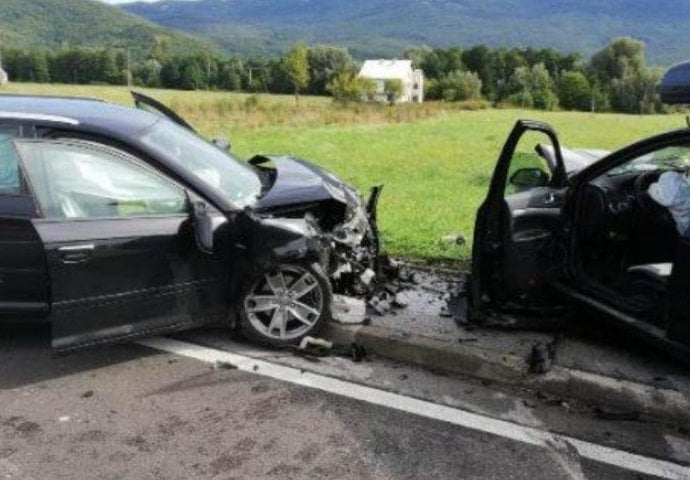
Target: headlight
[355, 228]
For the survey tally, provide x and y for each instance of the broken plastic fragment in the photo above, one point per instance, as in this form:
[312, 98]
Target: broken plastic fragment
[348, 310]
[367, 277]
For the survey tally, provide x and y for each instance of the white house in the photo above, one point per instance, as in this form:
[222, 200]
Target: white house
[4, 78]
[382, 70]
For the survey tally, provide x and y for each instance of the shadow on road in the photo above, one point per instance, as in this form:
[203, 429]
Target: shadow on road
[26, 356]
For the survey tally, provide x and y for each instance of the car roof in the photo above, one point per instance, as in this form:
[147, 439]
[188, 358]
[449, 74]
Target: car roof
[87, 112]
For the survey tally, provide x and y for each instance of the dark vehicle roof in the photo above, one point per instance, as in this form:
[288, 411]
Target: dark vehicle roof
[94, 113]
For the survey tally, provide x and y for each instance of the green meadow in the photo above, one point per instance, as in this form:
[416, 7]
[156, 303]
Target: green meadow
[435, 160]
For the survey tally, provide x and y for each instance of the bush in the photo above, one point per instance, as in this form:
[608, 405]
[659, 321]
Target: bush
[347, 87]
[455, 87]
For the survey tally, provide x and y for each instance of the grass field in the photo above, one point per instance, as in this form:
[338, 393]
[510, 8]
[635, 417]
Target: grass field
[435, 160]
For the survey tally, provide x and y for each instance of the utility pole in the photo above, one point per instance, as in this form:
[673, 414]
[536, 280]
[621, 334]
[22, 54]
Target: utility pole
[129, 70]
[251, 70]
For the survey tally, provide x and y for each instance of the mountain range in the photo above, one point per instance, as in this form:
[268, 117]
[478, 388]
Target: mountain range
[371, 28]
[49, 24]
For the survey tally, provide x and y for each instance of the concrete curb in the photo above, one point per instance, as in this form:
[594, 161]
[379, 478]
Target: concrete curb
[484, 364]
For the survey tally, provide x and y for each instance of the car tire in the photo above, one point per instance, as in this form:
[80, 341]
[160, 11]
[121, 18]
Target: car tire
[282, 306]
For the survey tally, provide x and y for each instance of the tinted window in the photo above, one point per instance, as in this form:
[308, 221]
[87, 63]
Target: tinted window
[72, 180]
[10, 183]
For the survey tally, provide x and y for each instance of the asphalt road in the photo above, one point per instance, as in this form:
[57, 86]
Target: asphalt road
[131, 412]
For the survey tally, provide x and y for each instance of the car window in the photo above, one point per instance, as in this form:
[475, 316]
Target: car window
[235, 179]
[10, 177]
[675, 157]
[528, 168]
[72, 180]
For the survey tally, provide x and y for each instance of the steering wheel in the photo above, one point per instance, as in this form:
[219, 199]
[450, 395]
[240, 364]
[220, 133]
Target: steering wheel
[645, 202]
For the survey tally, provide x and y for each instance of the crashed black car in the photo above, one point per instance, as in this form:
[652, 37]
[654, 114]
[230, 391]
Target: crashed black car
[563, 228]
[118, 222]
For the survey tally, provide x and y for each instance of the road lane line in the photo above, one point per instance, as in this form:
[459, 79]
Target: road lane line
[529, 435]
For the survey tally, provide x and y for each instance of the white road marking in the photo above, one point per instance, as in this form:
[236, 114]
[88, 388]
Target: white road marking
[529, 435]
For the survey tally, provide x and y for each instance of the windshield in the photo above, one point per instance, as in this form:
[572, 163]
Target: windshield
[669, 158]
[216, 168]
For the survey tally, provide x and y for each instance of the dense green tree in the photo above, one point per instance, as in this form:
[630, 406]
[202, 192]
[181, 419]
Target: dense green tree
[192, 76]
[622, 57]
[296, 67]
[456, 86]
[574, 91]
[480, 59]
[324, 64]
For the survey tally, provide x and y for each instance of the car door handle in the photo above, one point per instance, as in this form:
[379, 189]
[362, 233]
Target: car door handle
[76, 253]
[549, 199]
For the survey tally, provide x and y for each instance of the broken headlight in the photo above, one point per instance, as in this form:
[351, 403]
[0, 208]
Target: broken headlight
[354, 229]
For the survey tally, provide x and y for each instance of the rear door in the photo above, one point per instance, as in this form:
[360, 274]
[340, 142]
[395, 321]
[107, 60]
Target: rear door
[23, 275]
[121, 252]
[516, 253]
[150, 105]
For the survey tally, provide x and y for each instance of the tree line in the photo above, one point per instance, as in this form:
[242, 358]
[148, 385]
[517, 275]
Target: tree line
[616, 78]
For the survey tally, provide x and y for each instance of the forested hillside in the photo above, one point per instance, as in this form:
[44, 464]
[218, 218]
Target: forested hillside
[387, 27]
[49, 24]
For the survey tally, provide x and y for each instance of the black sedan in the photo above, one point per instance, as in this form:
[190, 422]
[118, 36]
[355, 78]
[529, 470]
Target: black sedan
[561, 228]
[118, 222]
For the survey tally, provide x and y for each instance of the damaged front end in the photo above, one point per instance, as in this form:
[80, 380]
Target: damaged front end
[347, 225]
[355, 248]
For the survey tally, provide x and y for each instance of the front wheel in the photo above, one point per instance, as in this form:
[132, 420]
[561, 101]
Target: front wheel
[285, 305]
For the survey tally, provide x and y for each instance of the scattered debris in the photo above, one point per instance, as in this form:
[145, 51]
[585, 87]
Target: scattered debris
[87, 394]
[353, 351]
[467, 340]
[381, 303]
[549, 399]
[604, 414]
[454, 239]
[542, 356]
[401, 300]
[220, 365]
[311, 347]
[456, 301]
[315, 347]
[348, 310]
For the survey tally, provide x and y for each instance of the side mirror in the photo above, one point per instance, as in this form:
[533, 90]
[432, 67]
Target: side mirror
[529, 178]
[203, 226]
[222, 143]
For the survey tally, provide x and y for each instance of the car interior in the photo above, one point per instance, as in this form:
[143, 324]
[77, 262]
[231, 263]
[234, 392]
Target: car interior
[626, 241]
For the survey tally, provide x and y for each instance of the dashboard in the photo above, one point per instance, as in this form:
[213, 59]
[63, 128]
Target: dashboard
[619, 205]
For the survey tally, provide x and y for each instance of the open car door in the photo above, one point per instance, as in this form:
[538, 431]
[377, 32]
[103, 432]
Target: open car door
[150, 105]
[516, 239]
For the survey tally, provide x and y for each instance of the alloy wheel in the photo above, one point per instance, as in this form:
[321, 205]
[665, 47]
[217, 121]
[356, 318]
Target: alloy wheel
[285, 303]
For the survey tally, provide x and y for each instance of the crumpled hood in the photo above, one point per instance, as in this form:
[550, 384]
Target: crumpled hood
[298, 182]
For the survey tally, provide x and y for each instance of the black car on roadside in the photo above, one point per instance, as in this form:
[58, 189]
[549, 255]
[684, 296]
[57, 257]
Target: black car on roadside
[118, 222]
[564, 228]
